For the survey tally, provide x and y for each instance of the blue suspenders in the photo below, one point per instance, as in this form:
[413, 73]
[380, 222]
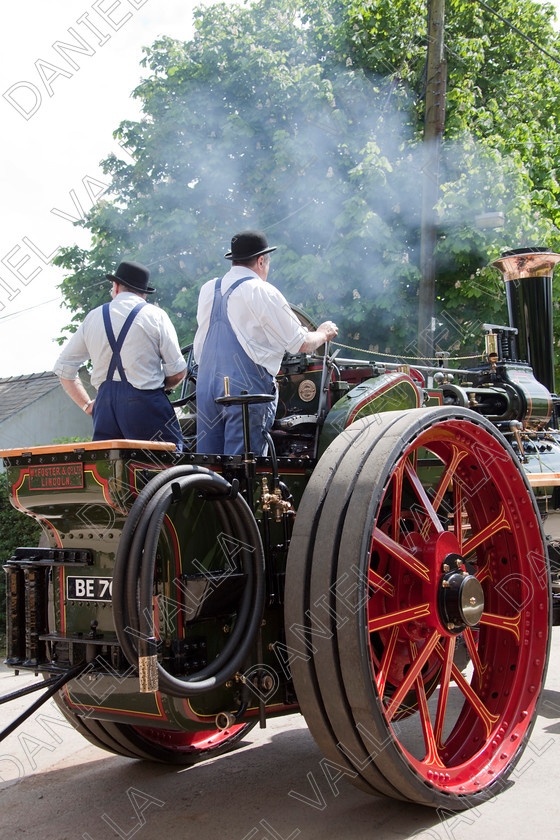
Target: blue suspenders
[116, 344]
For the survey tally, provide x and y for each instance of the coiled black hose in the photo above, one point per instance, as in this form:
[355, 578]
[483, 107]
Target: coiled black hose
[135, 560]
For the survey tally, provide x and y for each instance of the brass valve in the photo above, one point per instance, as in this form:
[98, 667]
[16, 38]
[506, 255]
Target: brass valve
[274, 501]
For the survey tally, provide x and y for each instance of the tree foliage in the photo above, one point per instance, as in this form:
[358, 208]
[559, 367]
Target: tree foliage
[501, 150]
[304, 118]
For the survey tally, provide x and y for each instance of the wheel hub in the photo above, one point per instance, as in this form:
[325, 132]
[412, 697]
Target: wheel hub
[460, 596]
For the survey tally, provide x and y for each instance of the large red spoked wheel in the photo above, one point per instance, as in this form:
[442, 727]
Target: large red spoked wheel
[417, 535]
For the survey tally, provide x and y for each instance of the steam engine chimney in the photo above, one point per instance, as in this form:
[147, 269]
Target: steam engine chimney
[527, 273]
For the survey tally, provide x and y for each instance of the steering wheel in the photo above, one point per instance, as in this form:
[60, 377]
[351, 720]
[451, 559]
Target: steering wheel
[188, 386]
[308, 322]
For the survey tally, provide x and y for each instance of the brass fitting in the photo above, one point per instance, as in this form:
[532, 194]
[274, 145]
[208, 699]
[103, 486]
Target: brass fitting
[273, 501]
[491, 342]
[224, 720]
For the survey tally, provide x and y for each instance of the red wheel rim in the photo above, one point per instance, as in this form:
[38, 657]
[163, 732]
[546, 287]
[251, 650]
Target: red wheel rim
[189, 742]
[475, 552]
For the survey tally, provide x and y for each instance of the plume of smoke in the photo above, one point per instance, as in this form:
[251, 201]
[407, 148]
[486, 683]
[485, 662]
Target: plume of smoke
[329, 163]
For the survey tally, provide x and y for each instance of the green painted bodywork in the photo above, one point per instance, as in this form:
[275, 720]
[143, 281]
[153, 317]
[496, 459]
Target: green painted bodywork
[393, 391]
[91, 518]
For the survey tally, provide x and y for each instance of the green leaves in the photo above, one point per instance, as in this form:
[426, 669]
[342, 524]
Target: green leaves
[306, 119]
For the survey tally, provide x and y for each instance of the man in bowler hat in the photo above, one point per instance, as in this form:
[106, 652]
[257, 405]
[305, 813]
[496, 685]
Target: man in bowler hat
[245, 325]
[135, 358]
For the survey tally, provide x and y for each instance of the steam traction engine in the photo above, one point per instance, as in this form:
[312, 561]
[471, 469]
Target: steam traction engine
[384, 571]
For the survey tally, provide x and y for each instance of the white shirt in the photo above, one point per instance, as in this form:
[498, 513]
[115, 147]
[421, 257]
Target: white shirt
[260, 316]
[150, 351]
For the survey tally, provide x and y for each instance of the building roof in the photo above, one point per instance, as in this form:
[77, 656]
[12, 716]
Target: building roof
[17, 392]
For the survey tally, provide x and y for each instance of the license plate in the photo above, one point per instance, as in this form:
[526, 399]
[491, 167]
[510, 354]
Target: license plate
[89, 588]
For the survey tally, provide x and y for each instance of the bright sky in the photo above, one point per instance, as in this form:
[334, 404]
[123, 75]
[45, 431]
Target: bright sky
[56, 127]
[55, 130]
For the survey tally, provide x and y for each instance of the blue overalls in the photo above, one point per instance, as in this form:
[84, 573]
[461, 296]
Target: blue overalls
[220, 428]
[120, 410]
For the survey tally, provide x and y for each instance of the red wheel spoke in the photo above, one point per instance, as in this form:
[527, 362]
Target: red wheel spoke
[444, 690]
[500, 523]
[484, 572]
[422, 496]
[399, 552]
[487, 718]
[447, 477]
[380, 583]
[397, 501]
[458, 511]
[412, 674]
[386, 661]
[503, 622]
[432, 754]
[479, 668]
[383, 622]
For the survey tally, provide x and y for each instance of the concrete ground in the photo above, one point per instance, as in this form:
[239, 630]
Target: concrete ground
[54, 786]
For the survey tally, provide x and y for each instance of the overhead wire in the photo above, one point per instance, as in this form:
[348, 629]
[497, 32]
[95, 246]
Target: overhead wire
[516, 29]
[9, 315]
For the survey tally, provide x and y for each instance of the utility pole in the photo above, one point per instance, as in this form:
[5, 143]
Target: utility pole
[434, 122]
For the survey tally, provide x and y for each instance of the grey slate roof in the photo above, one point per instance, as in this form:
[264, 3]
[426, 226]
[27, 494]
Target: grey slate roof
[17, 392]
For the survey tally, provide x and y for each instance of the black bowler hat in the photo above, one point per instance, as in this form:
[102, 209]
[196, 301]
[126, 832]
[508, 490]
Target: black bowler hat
[133, 275]
[248, 244]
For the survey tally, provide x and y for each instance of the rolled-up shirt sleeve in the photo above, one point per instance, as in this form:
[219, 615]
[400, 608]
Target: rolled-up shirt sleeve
[73, 356]
[283, 328]
[299, 336]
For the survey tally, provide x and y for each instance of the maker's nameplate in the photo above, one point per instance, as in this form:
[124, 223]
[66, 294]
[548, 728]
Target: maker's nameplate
[56, 476]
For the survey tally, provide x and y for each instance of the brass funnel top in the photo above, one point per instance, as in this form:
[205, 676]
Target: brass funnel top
[526, 262]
